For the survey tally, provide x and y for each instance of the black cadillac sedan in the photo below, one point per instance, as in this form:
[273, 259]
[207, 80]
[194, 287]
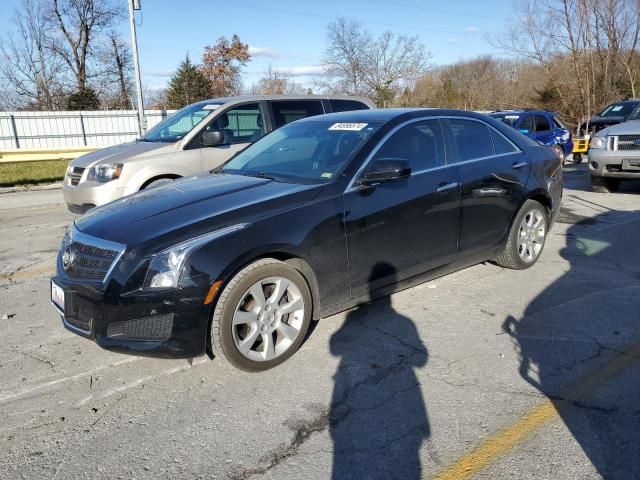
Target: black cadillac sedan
[237, 262]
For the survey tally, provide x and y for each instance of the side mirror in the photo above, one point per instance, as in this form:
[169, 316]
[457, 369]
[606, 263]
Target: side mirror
[386, 170]
[211, 139]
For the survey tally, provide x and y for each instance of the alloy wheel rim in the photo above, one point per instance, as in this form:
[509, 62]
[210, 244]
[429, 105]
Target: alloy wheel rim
[531, 235]
[268, 319]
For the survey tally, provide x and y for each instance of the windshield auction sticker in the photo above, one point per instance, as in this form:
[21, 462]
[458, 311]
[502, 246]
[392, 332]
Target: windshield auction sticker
[210, 106]
[352, 127]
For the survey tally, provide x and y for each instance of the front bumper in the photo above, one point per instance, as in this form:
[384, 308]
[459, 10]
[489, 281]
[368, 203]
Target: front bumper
[167, 324]
[614, 164]
[87, 195]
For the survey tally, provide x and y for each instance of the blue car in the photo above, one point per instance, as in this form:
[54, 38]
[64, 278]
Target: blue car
[541, 125]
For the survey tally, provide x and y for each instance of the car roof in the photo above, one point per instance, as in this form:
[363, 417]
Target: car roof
[522, 111]
[388, 114]
[256, 98]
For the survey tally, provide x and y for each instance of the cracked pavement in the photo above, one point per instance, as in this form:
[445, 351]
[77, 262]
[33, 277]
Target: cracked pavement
[400, 388]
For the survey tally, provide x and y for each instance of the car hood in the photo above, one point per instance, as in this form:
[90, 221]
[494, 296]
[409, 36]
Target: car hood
[121, 153]
[632, 127]
[190, 207]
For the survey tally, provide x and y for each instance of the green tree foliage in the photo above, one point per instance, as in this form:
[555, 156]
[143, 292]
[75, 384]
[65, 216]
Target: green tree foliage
[188, 85]
[84, 99]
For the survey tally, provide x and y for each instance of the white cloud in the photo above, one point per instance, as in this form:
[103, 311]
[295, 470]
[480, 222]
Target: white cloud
[303, 70]
[158, 73]
[264, 52]
[471, 29]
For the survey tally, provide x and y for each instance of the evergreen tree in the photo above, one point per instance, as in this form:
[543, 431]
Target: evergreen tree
[188, 85]
[83, 99]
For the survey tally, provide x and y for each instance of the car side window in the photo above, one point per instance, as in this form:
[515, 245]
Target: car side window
[347, 105]
[472, 139]
[288, 111]
[241, 124]
[527, 125]
[542, 124]
[501, 144]
[421, 143]
[558, 123]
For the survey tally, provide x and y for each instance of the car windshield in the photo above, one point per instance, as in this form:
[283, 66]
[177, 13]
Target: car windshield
[313, 151]
[176, 126]
[508, 118]
[618, 110]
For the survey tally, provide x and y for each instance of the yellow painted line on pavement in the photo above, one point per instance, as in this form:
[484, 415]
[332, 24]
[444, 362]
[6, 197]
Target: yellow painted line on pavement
[500, 443]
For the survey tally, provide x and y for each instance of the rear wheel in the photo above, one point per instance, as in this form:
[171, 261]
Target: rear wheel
[604, 184]
[262, 316]
[526, 237]
[577, 158]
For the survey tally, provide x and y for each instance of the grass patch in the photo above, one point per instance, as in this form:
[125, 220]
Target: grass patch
[32, 173]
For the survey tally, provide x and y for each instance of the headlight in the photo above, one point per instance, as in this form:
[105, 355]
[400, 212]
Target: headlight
[598, 142]
[105, 173]
[166, 267]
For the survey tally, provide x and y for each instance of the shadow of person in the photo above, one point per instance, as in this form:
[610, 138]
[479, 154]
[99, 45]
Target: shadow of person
[579, 343]
[378, 420]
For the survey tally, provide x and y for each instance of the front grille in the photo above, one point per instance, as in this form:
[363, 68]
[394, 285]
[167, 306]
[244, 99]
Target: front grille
[89, 258]
[628, 142]
[155, 328]
[75, 174]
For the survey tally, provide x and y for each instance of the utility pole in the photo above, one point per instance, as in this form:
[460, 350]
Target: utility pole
[142, 121]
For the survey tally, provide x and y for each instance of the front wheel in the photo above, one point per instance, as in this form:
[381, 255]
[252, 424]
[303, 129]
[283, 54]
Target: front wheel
[262, 316]
[577, 158]
[526, 238]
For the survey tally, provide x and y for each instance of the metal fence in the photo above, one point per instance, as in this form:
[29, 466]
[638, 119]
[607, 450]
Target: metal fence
[19, 130]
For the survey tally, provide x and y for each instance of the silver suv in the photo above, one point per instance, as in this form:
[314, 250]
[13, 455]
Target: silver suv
[200, 137]
[614, 154]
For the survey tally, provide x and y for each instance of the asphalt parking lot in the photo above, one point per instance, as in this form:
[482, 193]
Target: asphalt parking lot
[486, 373]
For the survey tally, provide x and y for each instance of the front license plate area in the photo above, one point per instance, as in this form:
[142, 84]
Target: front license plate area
[57, 295]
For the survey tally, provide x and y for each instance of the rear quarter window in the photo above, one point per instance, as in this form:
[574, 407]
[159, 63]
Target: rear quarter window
[291, 110]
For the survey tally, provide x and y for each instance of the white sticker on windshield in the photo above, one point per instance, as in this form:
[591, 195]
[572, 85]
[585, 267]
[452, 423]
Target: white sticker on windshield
[512, 117]
[353, 127]
[617, 108]
[211, 106]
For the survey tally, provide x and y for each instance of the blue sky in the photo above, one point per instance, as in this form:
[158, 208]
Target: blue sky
[290, 34]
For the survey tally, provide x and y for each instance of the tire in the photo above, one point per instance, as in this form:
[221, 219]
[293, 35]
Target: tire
[577, 158]
[526, 236]
[159, 182]
[604, 184]
[243, 342]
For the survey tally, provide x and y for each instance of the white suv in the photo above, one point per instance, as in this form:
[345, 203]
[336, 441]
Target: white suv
[200, 137]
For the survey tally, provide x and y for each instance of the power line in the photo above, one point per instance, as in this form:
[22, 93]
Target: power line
[431, 9]
[327, 17]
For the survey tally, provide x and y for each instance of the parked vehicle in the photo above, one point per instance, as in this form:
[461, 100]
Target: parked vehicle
[199, 137]
[614, 155]
[612, 114]
[296, 227]
[540, 125]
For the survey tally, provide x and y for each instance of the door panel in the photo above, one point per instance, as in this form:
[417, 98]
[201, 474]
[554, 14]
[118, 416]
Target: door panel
[406, 225]
[492, 187]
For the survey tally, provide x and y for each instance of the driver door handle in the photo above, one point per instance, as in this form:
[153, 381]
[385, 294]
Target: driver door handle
[443, 187]
[518, 165]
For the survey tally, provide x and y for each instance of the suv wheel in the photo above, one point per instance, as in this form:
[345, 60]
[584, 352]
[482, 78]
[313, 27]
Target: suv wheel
[577, 158]
[526, 237]
[262, 316]
[604, 184]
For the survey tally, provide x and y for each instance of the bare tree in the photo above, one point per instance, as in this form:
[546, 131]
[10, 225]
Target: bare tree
[275, 82]
[27, 65]
[81, 23]
[381, 68]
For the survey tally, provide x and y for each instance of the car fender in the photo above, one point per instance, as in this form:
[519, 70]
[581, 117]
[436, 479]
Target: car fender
[148, 172]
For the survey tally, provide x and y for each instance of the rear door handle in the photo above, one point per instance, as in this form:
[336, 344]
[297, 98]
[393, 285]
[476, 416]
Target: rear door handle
[446, 186]
[518, 165]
